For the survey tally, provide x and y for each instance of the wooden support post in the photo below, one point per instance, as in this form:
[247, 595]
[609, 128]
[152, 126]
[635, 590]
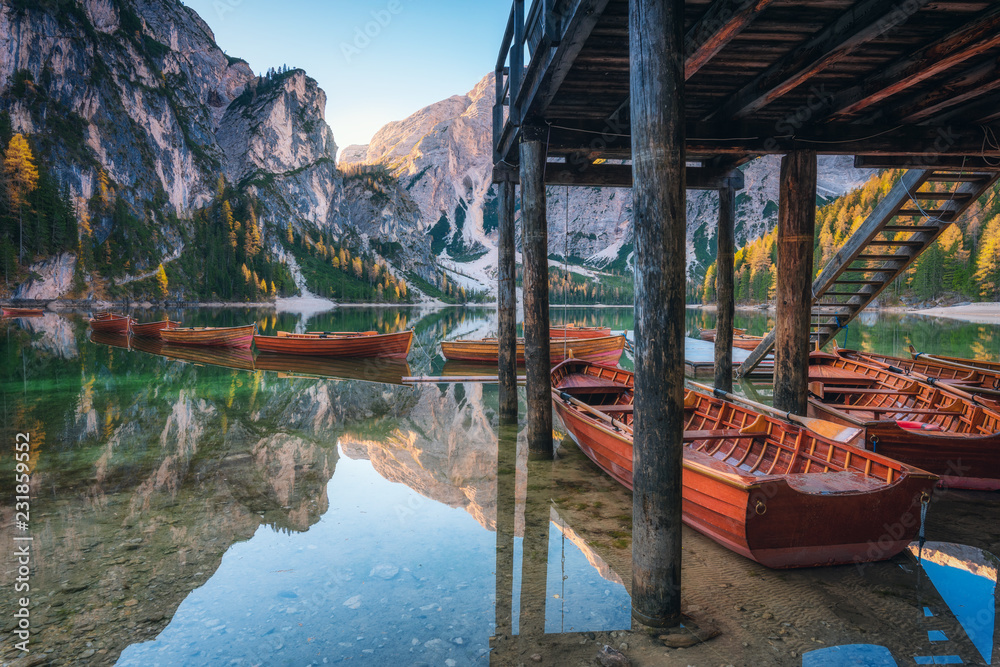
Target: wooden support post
[507, 301]
[657, 103]
[535, 253]
[724, 286]
[505, 522]
[796, 223]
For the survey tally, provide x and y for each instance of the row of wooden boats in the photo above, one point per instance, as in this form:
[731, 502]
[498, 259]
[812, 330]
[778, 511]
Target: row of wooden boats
[845, 483]
[355, 345]
[383, 371]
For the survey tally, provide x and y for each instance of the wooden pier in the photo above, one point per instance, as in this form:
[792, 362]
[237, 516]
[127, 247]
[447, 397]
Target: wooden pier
[666, 95]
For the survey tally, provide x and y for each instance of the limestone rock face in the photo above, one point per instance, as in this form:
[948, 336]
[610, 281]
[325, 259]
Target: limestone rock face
[138, 90]
[443, 156]
[55, 278]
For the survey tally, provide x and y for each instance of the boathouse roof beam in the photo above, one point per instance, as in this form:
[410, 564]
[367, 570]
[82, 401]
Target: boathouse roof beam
[721, 22]
[861, 23]
[968, 41]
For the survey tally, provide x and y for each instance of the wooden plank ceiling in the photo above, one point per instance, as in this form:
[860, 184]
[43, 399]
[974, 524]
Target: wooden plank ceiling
[762, 74]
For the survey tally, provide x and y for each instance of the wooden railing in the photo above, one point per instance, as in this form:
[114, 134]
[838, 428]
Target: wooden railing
[535, 32]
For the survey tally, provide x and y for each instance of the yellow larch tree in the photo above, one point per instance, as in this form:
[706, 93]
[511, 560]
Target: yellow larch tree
[21, 175]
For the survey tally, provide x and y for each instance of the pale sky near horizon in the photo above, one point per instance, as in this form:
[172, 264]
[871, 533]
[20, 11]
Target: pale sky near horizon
[421, 51]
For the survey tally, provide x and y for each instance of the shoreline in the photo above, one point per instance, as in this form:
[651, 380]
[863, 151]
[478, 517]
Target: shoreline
[983, 312]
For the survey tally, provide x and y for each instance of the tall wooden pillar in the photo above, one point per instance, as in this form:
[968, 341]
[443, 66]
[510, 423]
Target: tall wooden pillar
[796, 223]
[658, 173]
[507, 297]
[724, 286]
[505, 521]
[535, 245]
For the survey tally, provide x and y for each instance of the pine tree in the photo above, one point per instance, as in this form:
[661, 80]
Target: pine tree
[22, 178]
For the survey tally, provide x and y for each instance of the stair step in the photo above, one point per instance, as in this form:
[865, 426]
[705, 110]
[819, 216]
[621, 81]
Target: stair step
[838, 305]
[942, 196]
[828, 293]
[888, 242]
[829, 310]
[948, 177]
[914, 228]
[926, 213]
[880, 258]
[858, 282]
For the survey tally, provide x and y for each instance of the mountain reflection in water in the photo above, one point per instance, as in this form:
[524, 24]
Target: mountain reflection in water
[195, 508]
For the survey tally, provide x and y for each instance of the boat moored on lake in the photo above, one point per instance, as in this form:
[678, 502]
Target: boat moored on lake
[350, 345]
[923, 425]
[111, 323]
[604, 350]
[769, 490]
[152, 329]
[211, 336]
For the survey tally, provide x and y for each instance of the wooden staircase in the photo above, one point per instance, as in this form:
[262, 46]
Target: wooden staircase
[911, 217]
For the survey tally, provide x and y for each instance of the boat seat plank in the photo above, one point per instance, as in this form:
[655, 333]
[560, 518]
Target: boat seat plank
[615, 408]
[831, 483]
[716, 434]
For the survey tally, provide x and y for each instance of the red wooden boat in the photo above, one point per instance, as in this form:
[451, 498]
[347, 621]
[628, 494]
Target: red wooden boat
[152, 329]
[922, 425]
[605, 350]
[965, 378]
[741, 339]
[769, 490]
[993, 366]
[111, 323]
[573, 331]
[352, 345]
[11, 311]
[213, 336]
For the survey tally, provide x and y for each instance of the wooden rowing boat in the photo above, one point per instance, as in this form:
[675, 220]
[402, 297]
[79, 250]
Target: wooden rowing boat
[741, 339]
[351, 345]
[769, 490]
[11, 311]
[111, 323]
[966, 379]
[237, 358]
[379, 370]
[922, 425]
[573, 331]
[212, 336]
[152, 329]
[604, 350]
[993, 366]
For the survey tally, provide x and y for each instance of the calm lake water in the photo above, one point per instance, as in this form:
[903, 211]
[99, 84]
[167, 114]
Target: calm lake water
[191, 508]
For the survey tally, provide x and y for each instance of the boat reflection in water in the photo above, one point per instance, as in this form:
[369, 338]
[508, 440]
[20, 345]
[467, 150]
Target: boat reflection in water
[225, 357]
[111, 339]
[384, 371]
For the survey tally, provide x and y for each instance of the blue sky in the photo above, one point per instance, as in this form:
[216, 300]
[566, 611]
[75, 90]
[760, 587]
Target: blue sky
[422, 51]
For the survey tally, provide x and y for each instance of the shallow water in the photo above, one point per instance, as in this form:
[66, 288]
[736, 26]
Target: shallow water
[194, 510]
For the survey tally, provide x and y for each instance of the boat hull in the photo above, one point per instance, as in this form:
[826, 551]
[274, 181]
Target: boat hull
[579, 332]
[152, 329]
[240, 337]
[780, 521]
[388, 346]
[111, 324]
[607, 350]
[953, 438]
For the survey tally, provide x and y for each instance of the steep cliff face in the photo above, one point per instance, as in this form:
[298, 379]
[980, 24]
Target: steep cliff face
[442, 154]
[137, 93]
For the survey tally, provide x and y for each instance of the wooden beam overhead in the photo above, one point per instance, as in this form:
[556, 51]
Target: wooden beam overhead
[861, 23]
[738, 139]
[720, 23]
[620, 176]
[938, 162]
[970, 40]
[539, 90]
[971, 84]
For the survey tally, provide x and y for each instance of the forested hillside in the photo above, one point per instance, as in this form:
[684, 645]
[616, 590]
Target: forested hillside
[964, 264]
